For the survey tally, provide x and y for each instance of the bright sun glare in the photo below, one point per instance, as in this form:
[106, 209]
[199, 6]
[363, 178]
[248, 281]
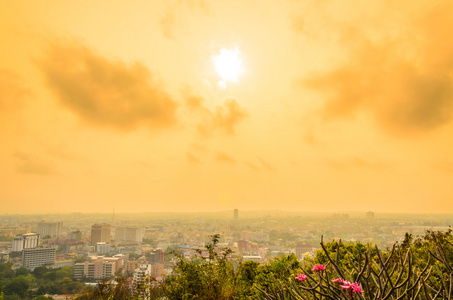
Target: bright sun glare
[228, 65]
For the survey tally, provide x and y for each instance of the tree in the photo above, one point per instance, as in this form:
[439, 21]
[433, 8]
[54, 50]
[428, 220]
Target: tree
[17, 286]
[5, 271]
[41, 297]
[210, 277]
[22, 271]
[133, 255]
[65, 271]
[39, 272]
[50, 275]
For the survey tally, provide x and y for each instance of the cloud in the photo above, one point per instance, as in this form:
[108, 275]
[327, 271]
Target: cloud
[445, 166]
[223, 157]
[107, 92]
[253, 166]
[32, 165]
[12, 91]
[228, 115]
[403, 77]
[168, 22]
[173, 19]
[267, 166]
[223, 118]
[193, 101]
[192, 158]
[359, 163]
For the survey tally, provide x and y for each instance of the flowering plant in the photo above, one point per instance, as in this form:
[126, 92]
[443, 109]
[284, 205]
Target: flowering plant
[350, 287]
[301, 277]
[318, 268]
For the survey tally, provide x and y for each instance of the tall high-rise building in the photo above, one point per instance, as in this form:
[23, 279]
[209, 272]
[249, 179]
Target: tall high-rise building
[134, 234]
[52, 229]
[25, 241]
[100, 233]
[236, 214]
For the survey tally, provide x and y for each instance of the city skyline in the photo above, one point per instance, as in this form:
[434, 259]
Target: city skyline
[192, 105]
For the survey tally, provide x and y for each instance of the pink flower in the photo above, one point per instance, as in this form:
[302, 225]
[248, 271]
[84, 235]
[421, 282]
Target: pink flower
[338, 280]
[357, 288]
[344, 284]
[301, 277]
[318, 268]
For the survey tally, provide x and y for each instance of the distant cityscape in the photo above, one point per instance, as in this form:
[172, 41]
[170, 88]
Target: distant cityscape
[100, 246]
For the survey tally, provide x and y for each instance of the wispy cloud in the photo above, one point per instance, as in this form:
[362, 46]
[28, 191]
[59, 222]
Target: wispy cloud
[173, 18]
[358, 163]
[223, 157]
[192, 158]
[253, 166]
[267, 165]
[31, 165]
[12, 91]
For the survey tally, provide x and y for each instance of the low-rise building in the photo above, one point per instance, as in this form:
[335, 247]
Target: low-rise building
[37, 257]
[99, 267]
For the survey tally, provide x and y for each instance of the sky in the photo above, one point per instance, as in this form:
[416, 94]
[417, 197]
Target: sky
[197, 105]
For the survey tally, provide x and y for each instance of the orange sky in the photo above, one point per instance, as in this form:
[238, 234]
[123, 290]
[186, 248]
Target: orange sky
[341, 105]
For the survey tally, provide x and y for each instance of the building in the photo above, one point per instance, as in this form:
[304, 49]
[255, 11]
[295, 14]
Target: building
[25, 241]
[133, 265]
[100, 233]
[99, 267]
[260, 236]
[103, 248]
[236, 214]
[156, 256]
[133, 234]
[142, 280]
[157, 270]
[243, 245]
[37, 257]
[75, 235]
[52, 229]
[246, 235]
[72, 246]
[4, 256]
[303, 248]
[255, 258]
[370, 215]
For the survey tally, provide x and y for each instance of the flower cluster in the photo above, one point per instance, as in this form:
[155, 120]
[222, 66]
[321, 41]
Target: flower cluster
[318, 268]
[301, 277]
[344, 284]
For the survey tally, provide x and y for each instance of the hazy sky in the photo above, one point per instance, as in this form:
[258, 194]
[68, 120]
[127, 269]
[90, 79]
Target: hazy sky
[195, 105]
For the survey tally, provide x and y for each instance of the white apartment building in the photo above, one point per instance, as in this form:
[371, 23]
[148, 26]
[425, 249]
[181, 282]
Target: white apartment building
[103, 248]
[25, 241]
[142, 280]
[37, 257]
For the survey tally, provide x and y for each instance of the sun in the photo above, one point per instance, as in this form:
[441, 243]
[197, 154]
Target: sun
[228, 64]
